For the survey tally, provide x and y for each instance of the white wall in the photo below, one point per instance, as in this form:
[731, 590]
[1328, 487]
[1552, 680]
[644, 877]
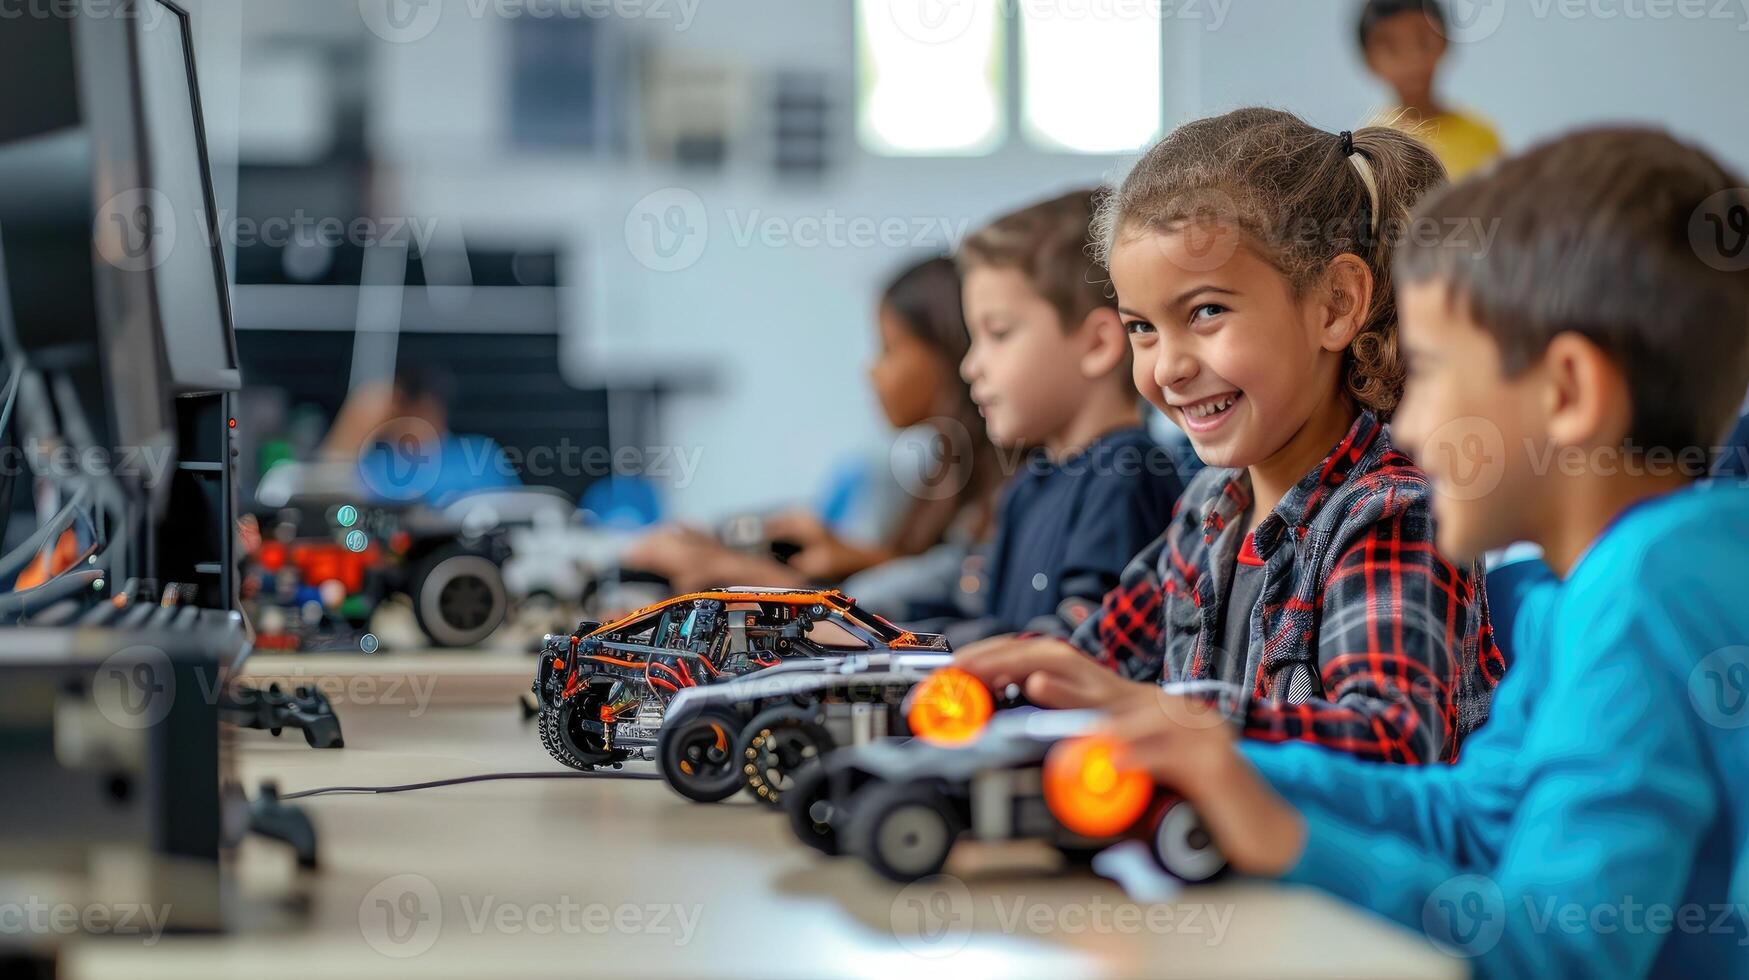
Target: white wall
[787, 330]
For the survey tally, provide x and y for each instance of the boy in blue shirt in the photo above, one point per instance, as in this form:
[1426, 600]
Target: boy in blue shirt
[1573, 350]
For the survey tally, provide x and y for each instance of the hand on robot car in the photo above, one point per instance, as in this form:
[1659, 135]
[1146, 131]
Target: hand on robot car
[799, 527]
[1050, 672]
[693, 561]
[1190, 745]
[666, 549]
[820, 555]
[688, 558]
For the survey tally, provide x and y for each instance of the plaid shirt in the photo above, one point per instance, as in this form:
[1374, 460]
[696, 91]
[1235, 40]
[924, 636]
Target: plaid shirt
[1365, 639]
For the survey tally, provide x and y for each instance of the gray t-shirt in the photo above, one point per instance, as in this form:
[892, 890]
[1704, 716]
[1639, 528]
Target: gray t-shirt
[1242, 595]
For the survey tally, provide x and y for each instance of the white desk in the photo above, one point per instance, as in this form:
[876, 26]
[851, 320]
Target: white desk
[613, 876]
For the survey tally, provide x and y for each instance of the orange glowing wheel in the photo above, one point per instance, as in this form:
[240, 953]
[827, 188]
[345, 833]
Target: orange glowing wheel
[950, 707]
[1089, 793]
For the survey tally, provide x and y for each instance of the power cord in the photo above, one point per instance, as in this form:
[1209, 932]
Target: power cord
[457, 781]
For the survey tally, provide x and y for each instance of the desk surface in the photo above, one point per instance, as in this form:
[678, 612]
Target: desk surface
[610, 875]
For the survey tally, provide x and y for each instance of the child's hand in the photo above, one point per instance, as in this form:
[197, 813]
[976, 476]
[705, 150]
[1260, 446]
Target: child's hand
[688, 558]
[1190, 747]
[1050, 672]
[823, 555]
[796, 526]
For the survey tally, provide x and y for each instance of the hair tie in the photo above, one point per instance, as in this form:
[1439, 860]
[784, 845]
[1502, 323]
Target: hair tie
[1364, 168]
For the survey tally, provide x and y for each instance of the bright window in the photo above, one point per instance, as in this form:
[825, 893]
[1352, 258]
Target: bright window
[930, 77]
[1090, 75]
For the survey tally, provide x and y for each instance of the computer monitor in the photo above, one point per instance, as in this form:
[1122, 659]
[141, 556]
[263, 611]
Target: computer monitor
[108, 227]
[79, 232]
[193, 292]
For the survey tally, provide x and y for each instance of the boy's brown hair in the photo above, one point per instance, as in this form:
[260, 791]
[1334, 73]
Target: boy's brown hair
[1301, 200]
[1048, 243]
[1622, 236]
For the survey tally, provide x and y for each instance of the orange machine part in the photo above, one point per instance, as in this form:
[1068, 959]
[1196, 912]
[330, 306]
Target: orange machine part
[1088, 792]
[950, 707]
[272, 555]
[49, 562]
[317, 563]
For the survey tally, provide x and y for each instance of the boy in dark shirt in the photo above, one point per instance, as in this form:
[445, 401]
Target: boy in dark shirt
[1049, 366]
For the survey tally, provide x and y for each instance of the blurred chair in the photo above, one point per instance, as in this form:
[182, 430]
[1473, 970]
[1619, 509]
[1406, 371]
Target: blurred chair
[622, 502]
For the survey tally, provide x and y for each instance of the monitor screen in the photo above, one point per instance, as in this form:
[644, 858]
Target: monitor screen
[189, 276]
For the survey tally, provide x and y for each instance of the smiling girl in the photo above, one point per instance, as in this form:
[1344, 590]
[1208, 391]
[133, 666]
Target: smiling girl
[1298, 578]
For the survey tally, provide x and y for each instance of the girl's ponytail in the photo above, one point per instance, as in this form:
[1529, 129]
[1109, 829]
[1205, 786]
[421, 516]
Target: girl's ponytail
[1402, 170]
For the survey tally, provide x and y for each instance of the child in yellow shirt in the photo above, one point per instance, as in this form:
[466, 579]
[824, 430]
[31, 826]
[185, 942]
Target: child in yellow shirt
[1403, 42]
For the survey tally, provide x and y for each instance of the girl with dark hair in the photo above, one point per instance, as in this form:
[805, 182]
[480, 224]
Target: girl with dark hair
[950, 494]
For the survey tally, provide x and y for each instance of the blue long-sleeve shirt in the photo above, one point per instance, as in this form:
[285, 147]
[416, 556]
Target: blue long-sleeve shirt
[1598, 824]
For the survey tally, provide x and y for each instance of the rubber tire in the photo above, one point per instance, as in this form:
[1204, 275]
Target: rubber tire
[437, 572]
[567, 746]
[1184, 847]
[790, 718]
[871, 831]
[712, 787]
[810, 787]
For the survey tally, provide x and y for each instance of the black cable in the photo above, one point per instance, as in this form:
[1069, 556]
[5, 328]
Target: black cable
[14, 561]
[484, 777]
[9, 441]
[70, 582]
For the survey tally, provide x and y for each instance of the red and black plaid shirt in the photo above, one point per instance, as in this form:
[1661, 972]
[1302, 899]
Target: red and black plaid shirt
[1364, 638]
